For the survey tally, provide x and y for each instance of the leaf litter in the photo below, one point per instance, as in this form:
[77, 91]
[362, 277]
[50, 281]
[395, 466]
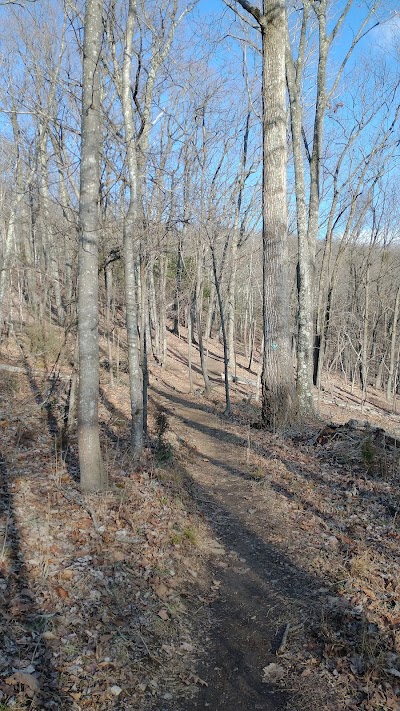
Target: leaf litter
[81, 581]
[103, 598]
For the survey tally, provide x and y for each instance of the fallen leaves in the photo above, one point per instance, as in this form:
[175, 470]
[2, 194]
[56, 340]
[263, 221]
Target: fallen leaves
[49, 636]
[217, 549]
[119, 610]
[28, 680]
[193, 678]
[162, 591]
[92, 605]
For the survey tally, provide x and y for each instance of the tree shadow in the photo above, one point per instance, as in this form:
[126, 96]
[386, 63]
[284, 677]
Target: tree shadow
[24, 654]
[309, 474]
[47, 401]
[117, 429]
[263, 590]
[204, 407]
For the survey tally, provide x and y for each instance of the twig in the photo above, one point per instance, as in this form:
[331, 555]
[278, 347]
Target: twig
[155, 659]
[2, 554]
[282, 645]
[77, 499]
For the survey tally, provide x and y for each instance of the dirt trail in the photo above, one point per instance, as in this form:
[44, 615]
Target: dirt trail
[261, 589]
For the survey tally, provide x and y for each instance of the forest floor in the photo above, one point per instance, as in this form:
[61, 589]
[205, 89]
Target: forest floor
[233, 570]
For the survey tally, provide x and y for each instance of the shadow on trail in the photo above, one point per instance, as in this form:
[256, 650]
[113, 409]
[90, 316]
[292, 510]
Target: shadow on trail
[309, 474]
[22, 623]
[188, 404]
[237, 469]
[262, 590]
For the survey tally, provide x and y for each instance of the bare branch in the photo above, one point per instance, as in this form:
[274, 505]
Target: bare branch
[251, 9]
[15, 2]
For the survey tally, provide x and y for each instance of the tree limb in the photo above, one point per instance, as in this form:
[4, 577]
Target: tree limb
[251, 9]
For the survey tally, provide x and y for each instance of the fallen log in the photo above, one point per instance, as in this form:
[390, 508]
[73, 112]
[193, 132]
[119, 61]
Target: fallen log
[238, 379]
[27, 371]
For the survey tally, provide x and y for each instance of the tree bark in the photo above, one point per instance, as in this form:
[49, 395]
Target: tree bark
[279, 400]
[93, 477]
[305, 265]
[278, 387]
[131, 252]
[199, 320]
[231, 296]
[227, 410]
[392, 364]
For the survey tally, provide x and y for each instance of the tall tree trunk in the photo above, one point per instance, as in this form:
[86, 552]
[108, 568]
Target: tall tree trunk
[321, 339]
[50, 248]
[162, 310]
[16, 210]
[69, 220]
[278, 386]
[234, 253]
[199, 319]
[208, 330]
[8, 246]
[305, 265]
[189, 344]
[178, 288]
[224, 338]
[144, 336]
[365, 336]
[153, 311]
[93, 477]
[108, 279]
[211, 313]
[131, 254]
[392, 364]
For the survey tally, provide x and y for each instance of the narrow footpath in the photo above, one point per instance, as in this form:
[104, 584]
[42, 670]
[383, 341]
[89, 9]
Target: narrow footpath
[261, 590]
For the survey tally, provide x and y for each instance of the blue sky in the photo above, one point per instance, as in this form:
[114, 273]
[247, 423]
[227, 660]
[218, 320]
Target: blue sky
[377, 45]
[385, 36]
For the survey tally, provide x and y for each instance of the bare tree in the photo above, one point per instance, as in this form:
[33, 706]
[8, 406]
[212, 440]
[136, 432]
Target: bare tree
[308, 205]
[135, 86]
[278, 384]
[131, 252]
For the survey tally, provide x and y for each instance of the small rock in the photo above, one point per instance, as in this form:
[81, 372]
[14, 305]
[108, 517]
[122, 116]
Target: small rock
[115, 690]
[122, 534]
[29, 669]
[332, 542]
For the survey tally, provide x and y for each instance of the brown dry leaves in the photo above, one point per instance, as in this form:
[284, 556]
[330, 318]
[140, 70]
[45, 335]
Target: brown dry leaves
[83, 608]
